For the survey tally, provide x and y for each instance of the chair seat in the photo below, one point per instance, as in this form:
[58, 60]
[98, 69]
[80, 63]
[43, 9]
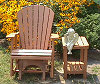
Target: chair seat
[31, 52]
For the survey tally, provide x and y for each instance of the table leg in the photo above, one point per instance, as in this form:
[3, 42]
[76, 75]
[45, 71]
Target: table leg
[81, 55]
[85, 63]
[65, 61]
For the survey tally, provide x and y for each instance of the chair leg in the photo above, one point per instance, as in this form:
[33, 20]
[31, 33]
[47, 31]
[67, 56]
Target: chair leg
[85, 75]
[43, 68]
[11, 68]
[43, 76]
[20, 70]
[52, 69]
[16, 64]
[20, 74]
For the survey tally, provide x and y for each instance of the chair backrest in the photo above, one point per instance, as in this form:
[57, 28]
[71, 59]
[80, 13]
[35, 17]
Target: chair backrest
[35, 24]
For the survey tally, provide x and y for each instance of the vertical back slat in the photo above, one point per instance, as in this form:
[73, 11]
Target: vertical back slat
[35, 23]
[25, 24]
[45, 24]
[20, 22]
[51, 15]
[30, 26]
[40, 25]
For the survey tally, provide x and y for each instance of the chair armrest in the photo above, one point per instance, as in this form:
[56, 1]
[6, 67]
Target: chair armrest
[12, 35]
[54, 36]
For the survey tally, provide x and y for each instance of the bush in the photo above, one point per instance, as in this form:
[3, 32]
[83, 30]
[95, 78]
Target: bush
[90, 27]
[2, 35]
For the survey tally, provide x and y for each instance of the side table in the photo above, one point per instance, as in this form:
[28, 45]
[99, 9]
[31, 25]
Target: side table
[76, 67]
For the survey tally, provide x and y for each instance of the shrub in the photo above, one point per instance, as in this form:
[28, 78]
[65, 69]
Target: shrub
[90, 27]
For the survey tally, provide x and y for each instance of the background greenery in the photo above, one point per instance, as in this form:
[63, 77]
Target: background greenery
[89, 26]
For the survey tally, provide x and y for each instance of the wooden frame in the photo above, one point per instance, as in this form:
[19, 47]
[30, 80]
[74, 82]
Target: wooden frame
[36, 41]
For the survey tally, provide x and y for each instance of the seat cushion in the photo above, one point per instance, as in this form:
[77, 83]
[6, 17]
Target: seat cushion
[31, 52]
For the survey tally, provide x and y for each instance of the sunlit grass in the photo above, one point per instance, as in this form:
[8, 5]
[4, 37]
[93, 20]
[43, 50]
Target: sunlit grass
[96, 69]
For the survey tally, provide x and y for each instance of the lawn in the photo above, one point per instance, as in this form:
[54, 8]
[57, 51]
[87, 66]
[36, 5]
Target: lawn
[36, 78]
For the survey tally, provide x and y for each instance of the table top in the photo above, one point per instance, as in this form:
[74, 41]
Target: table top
[81, 43]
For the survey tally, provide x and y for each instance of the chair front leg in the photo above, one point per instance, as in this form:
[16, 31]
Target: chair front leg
[14, 42]
[52, 60]
[11, 68]
[20, 69]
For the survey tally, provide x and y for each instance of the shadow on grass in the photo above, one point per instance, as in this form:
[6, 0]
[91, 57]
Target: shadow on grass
[78, 79]
[36, 78]
[58, 79]
[28, 78]
[93, 79]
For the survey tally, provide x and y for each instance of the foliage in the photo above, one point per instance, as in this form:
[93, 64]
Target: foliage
[88, 9]
[65, 12]
[8, 14]
[97, 1]
[89, 25]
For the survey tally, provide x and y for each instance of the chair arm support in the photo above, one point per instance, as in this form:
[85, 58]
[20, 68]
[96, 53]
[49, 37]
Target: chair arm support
[13, 42]
[52, 39]
[54, 36]
[12, 35]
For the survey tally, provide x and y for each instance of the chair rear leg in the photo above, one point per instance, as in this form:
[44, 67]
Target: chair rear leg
[11, 68]
[43, 68]
[43, 76]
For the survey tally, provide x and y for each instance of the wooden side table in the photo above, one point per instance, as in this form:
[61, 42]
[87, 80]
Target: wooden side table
[76, 67]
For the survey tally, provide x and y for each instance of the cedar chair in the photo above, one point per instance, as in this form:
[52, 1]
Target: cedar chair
[36, 43]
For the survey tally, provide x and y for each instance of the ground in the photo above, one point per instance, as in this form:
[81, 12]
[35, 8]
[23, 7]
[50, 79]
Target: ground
[93, 72]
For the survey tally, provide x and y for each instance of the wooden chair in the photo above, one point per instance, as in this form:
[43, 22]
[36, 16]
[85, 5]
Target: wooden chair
[36, 43]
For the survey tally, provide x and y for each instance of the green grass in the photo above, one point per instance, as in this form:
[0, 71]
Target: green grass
[96, 69]
[58, 65]
[5, 71]
[5, 67]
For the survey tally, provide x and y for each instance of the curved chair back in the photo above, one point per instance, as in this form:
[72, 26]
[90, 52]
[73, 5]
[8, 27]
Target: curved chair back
[35, 24]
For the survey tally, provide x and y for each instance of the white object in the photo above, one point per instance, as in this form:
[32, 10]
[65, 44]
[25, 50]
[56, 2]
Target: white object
[70, 38]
